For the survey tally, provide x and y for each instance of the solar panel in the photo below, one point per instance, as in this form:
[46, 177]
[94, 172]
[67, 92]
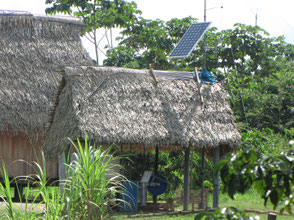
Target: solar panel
[189, 40]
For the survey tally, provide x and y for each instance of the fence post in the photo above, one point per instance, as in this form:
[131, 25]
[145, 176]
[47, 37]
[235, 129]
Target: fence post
[271, 216]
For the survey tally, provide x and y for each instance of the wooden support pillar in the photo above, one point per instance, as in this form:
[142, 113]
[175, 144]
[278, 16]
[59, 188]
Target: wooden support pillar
[63, 159]
[155, 170]
[186, 179]
[216, 179]
[121, 161]
[271, 216]
[202, 203]
[144, 157]
[61, 172]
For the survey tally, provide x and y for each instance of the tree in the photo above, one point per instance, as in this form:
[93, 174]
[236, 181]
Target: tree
[245, 49]
[148, 41]
[97, 14]
[266, 141]
[258, 69]
[268, 100]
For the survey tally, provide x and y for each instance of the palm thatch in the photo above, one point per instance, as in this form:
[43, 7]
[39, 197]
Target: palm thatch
[32, 49]
[127, 107]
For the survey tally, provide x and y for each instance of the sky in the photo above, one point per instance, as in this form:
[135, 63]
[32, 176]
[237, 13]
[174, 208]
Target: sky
[276, 17]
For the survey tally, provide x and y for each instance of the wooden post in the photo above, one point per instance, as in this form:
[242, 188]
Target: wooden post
[216, 179]
[61, 172]
[191, 169]
[271, 216]
[152, 73]
[186, 179]
[144, 156]
[201, 205]
[155, 170]
[198, 85]
[121, 161]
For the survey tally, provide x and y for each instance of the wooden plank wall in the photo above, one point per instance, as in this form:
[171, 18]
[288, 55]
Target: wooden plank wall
[15, 148]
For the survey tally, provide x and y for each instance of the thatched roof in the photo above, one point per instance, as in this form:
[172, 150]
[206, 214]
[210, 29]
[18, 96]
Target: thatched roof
[125, 106]
[32, 49]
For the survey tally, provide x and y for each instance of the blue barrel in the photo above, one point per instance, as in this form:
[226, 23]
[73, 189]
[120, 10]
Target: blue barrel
[130, 196]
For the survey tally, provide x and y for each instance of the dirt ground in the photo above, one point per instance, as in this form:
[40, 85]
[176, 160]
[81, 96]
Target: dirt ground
[22, 206]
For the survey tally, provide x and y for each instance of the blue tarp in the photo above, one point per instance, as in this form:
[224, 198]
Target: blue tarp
[205, 77]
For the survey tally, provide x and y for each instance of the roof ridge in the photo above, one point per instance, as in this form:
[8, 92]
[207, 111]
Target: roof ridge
[52, 18]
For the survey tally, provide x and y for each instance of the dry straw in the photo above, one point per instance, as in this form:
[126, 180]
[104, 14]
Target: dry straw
[127, 107]
[32, 49]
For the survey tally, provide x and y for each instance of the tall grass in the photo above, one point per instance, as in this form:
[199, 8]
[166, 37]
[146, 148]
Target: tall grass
[12, 211]
[92, 182]
[91, 185]
[51, 200]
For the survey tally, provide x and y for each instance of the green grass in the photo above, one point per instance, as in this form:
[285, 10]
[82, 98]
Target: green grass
[191, 216]
[250, 200]
[124, 216]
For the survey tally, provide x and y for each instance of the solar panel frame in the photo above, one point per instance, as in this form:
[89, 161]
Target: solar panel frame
[192, 36]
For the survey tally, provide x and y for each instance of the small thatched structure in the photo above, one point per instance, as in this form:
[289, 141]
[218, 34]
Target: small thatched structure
[127, 107]
[33, 48]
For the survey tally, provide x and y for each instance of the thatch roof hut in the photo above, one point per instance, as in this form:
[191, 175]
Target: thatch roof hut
[32, 50]
[127, 107]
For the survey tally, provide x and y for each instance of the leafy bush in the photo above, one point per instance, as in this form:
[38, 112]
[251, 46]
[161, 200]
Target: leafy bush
[265, 141]
[271, 176]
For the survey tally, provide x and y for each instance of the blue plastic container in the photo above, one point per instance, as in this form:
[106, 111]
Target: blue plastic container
[130, 196]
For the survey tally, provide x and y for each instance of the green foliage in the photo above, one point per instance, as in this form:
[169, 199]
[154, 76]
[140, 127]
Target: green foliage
[271, 176]
[10, 212]
[148, 41]
[268, 100]
[290, 133]
[97, 13]
[228, 213]
[249, 50]
[51, 201]
[246, 49]
[265, 141]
